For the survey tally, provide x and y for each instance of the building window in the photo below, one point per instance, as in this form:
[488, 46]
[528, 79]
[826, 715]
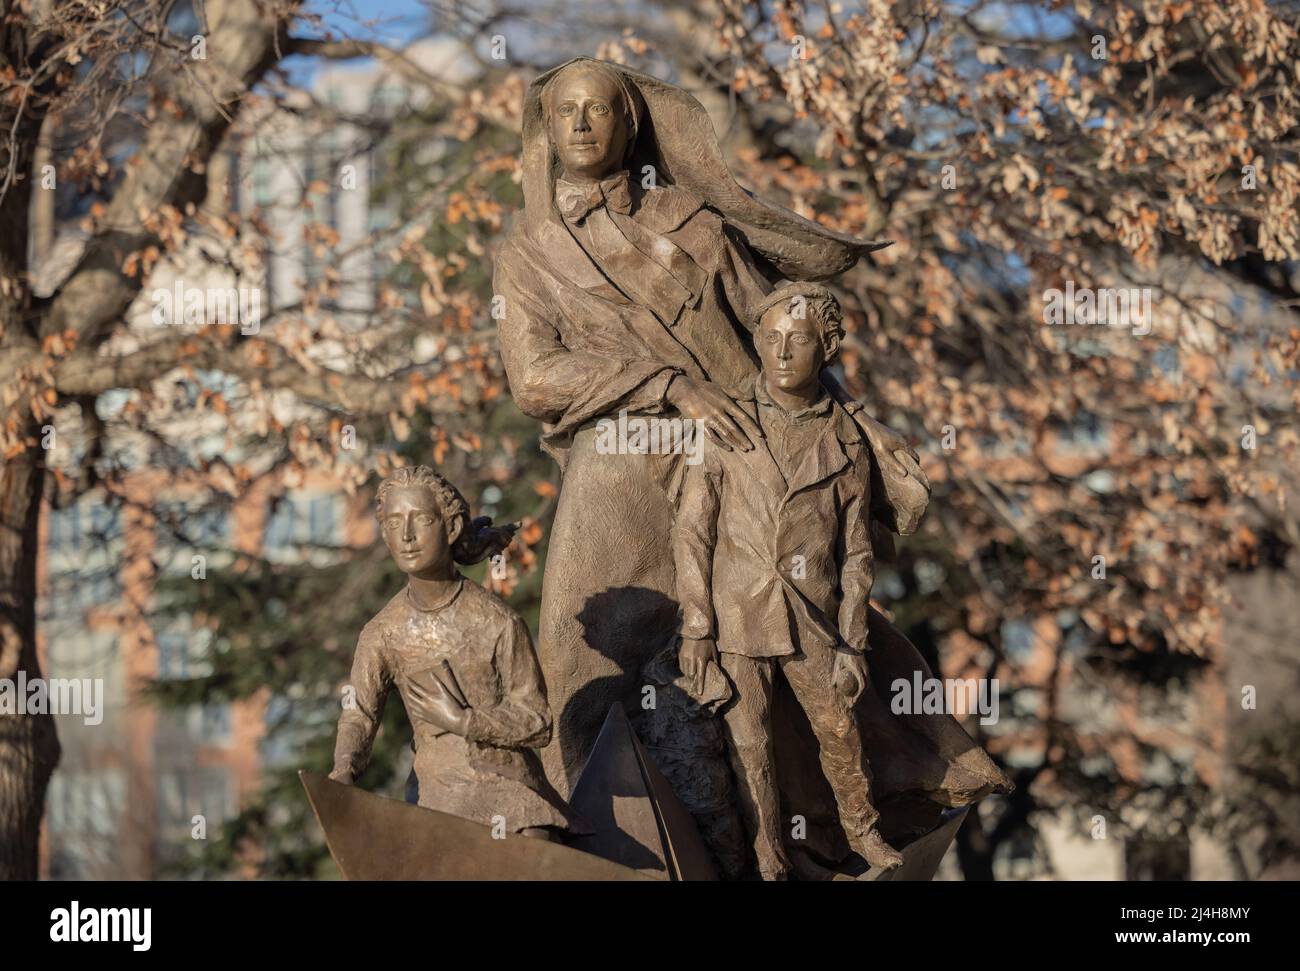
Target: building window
[184, 529]
[65, 530]
[193, 525]
[262, 195]
[84, 811]
[183, 654]
[69, 594]
[78, 653]
[211, 723]
[323, 521]
[85, 526]
[86, 802]
[300, 520]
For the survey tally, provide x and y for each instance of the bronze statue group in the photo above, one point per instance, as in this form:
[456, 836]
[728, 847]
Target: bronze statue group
[640, 278]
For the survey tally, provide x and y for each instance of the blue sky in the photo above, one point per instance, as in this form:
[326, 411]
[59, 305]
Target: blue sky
[394, 22]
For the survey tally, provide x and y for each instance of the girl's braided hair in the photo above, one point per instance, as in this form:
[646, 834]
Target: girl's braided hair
[454, 508]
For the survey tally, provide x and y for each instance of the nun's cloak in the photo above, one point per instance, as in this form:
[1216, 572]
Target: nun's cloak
[610, 291]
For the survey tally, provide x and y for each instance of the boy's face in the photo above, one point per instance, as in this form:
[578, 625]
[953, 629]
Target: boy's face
[413, 529]
[790, 348]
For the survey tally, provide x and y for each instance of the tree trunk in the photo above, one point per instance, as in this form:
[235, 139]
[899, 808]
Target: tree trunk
[243, 42]
[29, 746]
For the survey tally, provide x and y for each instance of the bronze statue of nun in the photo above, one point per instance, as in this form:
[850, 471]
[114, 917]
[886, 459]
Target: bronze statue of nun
[629, 283]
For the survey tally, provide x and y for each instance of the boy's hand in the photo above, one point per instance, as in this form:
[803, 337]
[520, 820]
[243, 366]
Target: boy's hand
[849, 675]
[693, 657]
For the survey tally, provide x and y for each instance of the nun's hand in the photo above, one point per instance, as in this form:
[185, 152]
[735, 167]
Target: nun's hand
[723, 419]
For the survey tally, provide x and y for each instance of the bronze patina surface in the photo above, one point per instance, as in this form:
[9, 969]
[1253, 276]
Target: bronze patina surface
[633, 285]
[463, 661]
[373, 838]
[715, 598]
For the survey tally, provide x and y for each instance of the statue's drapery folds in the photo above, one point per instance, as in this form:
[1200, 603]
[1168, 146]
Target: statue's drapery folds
[614, 287]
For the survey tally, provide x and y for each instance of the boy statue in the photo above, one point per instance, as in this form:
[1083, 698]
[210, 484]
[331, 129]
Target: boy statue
[462, 661]
[774, 570]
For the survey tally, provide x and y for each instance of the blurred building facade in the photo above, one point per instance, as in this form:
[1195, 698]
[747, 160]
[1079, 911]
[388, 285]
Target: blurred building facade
[132, 793]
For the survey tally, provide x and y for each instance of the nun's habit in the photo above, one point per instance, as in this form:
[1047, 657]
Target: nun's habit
[611, 289]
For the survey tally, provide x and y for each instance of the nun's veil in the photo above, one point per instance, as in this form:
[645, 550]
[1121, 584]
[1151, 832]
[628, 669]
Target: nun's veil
[673, 133]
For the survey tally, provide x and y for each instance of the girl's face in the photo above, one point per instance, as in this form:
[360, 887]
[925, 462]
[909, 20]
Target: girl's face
[414, 531]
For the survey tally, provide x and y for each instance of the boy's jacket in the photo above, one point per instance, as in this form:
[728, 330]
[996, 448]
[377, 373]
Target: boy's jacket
[764, 566]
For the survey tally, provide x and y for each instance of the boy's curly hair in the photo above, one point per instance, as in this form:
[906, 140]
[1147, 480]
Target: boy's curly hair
[819, 302]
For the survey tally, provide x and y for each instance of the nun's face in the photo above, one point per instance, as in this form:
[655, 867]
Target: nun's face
[588, 124]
